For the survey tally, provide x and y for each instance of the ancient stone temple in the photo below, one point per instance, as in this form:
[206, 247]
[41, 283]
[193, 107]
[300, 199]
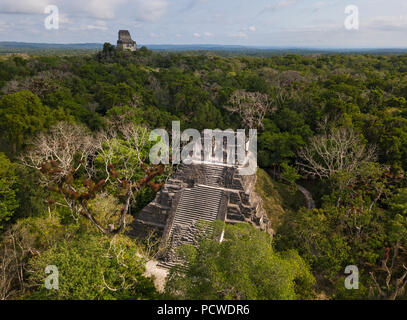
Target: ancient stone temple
[198, 192]
[125, 42]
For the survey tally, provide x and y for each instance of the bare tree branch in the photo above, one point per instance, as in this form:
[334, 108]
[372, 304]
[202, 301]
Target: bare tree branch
[340, 151]
[61, 153]
[252, 107]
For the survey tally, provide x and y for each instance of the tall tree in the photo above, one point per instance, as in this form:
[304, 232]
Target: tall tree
[340, 151]
[21, 116]
[8, 179]
[243, 266]
[251, 107]
[79, 166]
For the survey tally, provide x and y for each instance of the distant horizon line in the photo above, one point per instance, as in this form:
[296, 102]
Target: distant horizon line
[208, 45]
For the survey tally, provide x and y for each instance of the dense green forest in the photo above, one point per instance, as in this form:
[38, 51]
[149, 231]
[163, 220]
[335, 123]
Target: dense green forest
[336, 124]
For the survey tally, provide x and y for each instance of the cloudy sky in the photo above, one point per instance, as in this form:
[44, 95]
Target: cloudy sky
[300, 23]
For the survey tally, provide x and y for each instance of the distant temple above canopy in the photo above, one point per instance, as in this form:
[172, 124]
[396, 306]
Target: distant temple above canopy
[125, 41]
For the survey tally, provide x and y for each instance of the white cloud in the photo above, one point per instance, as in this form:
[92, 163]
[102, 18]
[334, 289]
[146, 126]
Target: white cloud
[320, 4]
[150, 10]
[97, 25]
[94, 27]
[3, 26]
[387, 23]
[278, 4]
[64, 18]
[245, 29]
[293, 22]
[23, 6]
[100, 9]
[239, 34]
[144, 10]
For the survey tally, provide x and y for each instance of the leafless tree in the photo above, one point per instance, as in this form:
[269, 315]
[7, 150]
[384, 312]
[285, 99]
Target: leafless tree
[66, 145]
[11, 271]
[395, 279]
[287, 78]
[339, 151]
[41, 84]
[16, 246]
[116, 252]
[60, 155]
[252, 107]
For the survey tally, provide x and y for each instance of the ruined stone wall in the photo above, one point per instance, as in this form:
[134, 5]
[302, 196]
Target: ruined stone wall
[190, 195]
[125, 41]
[241, 203]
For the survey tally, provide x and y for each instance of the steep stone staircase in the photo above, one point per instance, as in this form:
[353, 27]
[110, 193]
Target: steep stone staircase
[205, 192]
[196, 204]
[214, 175]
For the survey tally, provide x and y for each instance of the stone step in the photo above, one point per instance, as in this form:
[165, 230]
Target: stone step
[199, 196]
[214, 175]
[198, 203]
[195, 204]
[235, 217]
[186, 216]
[194, 209]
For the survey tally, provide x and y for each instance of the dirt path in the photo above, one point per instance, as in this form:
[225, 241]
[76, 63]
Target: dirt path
[308, 197]
[309, 201]
[160, 274]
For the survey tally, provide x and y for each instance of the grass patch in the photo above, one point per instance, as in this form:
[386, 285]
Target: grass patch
[277, 197]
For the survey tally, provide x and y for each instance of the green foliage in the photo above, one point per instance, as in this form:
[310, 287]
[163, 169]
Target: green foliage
[108, 52]
[398, 223]
[93, 267]
[29, 195]
[8, 180]
[358, 215]
[311, 231]
[243, 266]
[282, 138]
[289, 174]
[195, 87]
[21, 115]
[353, 227]
[272, 202]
